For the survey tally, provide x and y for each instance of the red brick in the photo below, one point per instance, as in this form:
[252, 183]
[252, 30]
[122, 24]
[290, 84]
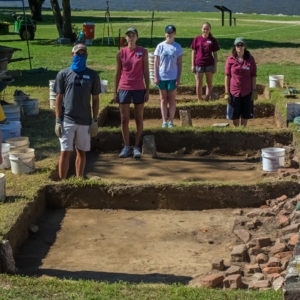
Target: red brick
[233, 281]
[270, 270]
[259, 284]
[263, 241]
[212, 280]
[283, 221]
[233, 270]
[254, 251]
[273, 262]
[293, 240]
[242, 234]
[218, 264]
[294, 228]
[281, 198]
[261, 258]
[239, 253]
[273, 276]
[251, 269]
[284, 254]
[278, 247]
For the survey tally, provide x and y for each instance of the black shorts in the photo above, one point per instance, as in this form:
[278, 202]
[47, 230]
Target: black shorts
[240, 107]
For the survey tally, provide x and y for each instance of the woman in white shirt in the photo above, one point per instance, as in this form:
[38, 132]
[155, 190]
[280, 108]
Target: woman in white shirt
[167, 73]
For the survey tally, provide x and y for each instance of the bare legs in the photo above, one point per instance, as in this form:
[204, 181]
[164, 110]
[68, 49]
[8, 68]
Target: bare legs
[236, 122]
[64, 161]
[125, 117]
[167, 97]
[199, 84]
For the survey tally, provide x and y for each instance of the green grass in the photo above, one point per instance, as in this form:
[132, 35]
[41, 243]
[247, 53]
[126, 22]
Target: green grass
[52, 57]
[259, 35]
[17, 287]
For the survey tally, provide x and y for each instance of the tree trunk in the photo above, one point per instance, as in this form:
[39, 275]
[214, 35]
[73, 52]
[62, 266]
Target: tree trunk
[36, 9]
[57, 17]
[67, 22]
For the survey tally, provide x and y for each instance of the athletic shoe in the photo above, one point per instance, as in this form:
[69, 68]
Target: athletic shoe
[126, 152]
[170, 124]
[164, 125]
[136, 152]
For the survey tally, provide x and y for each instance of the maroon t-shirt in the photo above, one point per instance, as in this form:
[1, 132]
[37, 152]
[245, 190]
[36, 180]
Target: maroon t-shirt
[204, 48]
[240, 74]
[132, 75]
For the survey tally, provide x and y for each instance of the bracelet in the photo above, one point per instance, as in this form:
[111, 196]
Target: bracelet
[58, 120]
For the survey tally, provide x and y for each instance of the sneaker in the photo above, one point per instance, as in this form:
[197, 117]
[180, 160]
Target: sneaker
[126, 152]
[170, 124]
[164, 125]
[136, 152]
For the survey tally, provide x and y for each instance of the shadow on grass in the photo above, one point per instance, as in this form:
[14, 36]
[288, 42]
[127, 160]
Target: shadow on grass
[116, 277]
[224, 43]
[40, 130]
[35, 78]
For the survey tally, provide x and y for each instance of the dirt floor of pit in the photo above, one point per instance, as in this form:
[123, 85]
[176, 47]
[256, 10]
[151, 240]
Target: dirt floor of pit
[256, 123]
[168, 168]
[112, 245]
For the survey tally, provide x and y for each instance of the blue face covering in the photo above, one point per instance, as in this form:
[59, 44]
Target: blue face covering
[79, 63]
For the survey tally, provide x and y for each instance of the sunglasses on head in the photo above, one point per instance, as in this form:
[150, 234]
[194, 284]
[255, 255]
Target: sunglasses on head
[239, 45]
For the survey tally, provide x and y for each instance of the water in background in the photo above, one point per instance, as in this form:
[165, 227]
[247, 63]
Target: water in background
[287, 7]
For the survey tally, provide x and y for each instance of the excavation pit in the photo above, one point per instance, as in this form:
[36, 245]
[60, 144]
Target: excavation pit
[142, 233]
[202, 116]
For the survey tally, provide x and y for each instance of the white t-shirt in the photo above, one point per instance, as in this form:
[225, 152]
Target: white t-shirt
[168, 54]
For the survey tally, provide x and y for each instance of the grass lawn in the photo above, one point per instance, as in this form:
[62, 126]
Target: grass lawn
[274, 42]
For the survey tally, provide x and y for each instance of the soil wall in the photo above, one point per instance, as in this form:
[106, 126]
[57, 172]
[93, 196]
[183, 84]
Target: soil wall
[224, 142]
[167, 196]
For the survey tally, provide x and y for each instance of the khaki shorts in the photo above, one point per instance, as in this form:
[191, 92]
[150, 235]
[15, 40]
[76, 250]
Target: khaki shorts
[75, 134]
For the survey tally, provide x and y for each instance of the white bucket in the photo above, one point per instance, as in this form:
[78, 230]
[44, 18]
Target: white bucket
[151, 66]
[21, 142]
[30, 107]
[104, 84]
[272, 158]
[5, 156]
[12, 112]
[2, 187]
[22, 161]
[276, 81]
[13, 129]
[52, 94]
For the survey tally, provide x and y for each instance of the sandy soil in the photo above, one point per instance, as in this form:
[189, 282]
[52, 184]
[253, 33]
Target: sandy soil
[149, 246]
[177, 167]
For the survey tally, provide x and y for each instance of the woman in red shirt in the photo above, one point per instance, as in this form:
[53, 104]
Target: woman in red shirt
[240, 84]
[132, 85]
[204, 60]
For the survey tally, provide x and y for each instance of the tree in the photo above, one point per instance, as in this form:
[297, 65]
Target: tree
[63, 22]
[36, 9]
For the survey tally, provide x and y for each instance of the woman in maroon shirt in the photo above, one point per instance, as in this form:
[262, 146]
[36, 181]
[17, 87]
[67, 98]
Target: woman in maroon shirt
[240, 84]
[204, 60]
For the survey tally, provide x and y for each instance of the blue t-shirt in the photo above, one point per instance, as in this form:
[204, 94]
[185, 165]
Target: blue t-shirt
[168, 54]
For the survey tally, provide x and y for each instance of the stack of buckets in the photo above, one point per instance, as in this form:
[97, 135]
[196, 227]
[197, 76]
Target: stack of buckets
[151, 67]
[89, 33]
[52, 94]
[17, 155]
